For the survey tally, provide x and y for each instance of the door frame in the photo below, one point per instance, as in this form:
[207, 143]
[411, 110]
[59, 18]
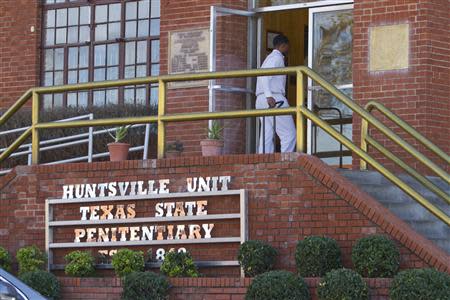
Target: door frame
[252, 62]
[252, 5]
[255, 37]
[310, 87]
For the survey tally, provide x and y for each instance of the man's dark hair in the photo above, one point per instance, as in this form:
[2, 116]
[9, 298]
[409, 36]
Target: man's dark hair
[280, 40]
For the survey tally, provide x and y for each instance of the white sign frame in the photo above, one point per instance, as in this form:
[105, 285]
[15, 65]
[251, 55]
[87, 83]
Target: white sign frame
[50, 224]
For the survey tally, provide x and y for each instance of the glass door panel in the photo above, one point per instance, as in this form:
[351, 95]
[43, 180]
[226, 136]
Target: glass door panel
[233, 47]
[330, 55]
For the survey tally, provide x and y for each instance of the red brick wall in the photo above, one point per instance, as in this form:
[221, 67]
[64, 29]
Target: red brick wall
[290, 197]
[19, 48]
[193, 14]
[420, 95]
[194, 288]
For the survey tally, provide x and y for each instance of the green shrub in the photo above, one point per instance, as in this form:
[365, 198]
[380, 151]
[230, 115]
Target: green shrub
[376, 256]
[30, 259]
[277, 285]
[79, 264]
[256, 257]
[342, 284]
[145, 285]
[420, 284]
[5, 259]
[317, 255]
[126, 261]
[179, 264]
[43, 282]
[135, 137]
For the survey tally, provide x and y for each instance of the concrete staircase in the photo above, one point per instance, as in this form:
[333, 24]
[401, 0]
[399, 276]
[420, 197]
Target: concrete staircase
[407, 209]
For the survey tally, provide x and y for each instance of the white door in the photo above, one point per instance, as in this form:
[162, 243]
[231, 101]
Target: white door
[330, 55]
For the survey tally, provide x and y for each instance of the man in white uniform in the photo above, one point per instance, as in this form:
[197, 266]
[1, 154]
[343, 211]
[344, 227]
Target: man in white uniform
[272, 89]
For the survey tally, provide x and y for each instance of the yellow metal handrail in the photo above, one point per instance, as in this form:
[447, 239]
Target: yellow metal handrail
[405, 126]
[300, 111]
[367, 140]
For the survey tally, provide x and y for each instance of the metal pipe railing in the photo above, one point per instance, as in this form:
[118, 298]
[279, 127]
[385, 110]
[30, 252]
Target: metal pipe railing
[341, 129]
[377, 166]
[372, 105]
[51, 141]
[76, 139]
[300, 111]
[419, 177]
[403, 144]
[15, 107]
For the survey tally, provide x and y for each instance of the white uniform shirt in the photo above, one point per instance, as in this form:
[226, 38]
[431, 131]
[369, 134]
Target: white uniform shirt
[270, 85]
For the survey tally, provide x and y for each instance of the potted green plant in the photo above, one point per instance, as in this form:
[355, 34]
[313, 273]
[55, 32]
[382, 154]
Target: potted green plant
[119, 151]
[174, 149]
[213, 145]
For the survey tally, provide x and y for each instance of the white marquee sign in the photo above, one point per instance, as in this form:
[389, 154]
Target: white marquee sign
[103, 222]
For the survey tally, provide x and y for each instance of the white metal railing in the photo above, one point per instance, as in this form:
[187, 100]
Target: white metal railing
[72, 140]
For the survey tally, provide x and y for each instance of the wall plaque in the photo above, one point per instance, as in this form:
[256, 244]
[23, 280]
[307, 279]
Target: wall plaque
[389, 47]
[189, 53]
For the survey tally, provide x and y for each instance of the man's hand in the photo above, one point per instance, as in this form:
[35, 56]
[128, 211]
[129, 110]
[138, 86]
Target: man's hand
[271, 101]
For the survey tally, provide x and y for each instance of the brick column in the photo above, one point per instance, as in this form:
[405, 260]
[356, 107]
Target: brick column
[231, 51]
[19, 48]
[420, 94]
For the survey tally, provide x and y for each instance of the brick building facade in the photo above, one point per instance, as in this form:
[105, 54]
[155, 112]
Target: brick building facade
[419, 93]
[290, 196]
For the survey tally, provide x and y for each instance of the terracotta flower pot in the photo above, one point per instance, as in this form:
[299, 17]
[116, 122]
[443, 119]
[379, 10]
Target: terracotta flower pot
[211, 147]
[118, 151]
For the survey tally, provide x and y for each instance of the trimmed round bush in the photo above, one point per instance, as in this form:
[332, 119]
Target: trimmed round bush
[43, 282]
[145, 285]
[342, 284]
[5, 259]
[126, 261]
[179, 264]
[420, 284]
[317, 255]
[376, 256]
[278, 285]
[30, 259]
[256, 257]
[79, 264]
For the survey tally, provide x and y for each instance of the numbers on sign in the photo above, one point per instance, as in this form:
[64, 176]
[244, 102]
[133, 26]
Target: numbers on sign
[160, 253]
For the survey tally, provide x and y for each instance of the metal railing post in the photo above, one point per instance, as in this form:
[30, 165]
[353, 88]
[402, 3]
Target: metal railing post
[34, 130]
[300, 118]
[91, 140]
[161, 113]
[146, 142]
[364, 146]
[30, 159]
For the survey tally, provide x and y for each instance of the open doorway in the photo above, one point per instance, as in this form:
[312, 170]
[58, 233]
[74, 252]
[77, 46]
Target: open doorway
[320, 38]
[294, 25]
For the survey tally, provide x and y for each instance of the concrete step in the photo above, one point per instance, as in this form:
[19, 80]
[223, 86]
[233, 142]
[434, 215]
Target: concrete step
[443, 244]
[410, 211]
[432, 229]
[407, 209]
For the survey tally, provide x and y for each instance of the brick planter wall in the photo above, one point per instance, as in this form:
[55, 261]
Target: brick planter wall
[193, 288]
[289, 197]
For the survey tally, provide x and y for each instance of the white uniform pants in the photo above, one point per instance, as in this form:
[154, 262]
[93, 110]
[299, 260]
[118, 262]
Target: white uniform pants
[285, 128]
